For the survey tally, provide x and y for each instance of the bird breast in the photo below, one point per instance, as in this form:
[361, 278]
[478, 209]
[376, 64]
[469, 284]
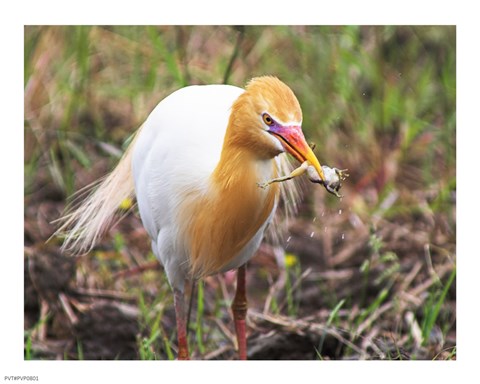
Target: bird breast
[221, 223]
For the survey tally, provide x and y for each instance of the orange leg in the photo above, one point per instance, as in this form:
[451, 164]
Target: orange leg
[239, 309]
[180, 315]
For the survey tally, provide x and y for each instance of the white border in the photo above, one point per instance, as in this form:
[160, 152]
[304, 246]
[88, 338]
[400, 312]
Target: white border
[238, 12]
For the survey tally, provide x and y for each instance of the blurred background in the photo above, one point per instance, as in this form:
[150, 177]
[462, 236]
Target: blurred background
[367, 276]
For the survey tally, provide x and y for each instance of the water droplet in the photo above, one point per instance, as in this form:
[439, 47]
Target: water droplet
[314, 219]
[311, 234]
[289, 238]
[343, 236]
[363, 93]
[339, 211]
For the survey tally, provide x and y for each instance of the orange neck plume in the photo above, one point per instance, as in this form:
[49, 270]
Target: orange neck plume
[222, 221]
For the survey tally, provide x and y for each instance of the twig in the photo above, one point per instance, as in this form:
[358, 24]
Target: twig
[106, 294]
[41, 331]
[302, 327]
[432, 280]
[415, 330]
[219, 351]
[428, 258]
[387, 202]
[227, 332]
[274, 288]
[409, 278]
[226, 296]
[153, 265]
[369, 320]
[67, 308]
[342, 274]
[368, 342]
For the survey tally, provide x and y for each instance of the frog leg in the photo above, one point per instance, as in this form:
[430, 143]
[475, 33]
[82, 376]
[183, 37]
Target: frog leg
[342, 173]
[296, 172]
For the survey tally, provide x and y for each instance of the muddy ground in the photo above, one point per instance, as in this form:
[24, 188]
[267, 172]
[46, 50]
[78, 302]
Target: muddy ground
[337, 287]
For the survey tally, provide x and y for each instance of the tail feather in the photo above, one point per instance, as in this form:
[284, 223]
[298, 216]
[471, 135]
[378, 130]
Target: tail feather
[83, 225]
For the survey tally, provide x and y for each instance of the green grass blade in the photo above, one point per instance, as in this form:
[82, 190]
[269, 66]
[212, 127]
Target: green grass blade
[167, 55]
[28, 347]
[199, 319]
[434, 310]
[331, 318]
[383, 294]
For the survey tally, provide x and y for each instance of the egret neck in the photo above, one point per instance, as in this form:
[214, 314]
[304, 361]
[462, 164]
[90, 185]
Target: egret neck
[223, 220]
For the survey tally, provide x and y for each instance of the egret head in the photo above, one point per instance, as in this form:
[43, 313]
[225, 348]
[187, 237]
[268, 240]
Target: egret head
[268, 121]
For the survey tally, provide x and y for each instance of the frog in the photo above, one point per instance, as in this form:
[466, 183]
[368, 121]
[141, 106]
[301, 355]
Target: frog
[332, 182]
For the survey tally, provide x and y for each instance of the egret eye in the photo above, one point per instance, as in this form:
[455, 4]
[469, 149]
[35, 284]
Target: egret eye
[267, 119]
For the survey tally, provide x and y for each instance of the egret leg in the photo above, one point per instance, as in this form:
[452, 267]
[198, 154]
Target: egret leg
[180, 315]
[239, 309]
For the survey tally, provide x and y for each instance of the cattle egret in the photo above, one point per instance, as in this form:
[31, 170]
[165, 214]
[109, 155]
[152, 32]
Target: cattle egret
[205, 170]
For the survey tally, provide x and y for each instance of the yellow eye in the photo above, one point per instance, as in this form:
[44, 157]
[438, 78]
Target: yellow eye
[267, 119]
